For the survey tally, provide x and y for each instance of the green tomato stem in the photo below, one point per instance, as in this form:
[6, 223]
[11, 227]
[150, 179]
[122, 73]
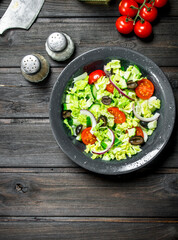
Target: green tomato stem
[138, 13]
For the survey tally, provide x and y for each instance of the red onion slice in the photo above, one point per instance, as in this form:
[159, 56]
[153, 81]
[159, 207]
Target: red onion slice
[119, 90]
[155, 117]
[93, 120]
[109, 146]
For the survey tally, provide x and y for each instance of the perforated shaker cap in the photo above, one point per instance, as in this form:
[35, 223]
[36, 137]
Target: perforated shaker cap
[30, 64]
[57, 42]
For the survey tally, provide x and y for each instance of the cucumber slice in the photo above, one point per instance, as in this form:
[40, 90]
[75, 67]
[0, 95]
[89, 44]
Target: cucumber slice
[93, 91]
[103, 145]
[95, 108]
[65, 106]
[88, 121]
[117, 142]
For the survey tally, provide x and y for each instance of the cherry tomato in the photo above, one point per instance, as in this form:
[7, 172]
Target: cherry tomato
[119, 116]
[110, 88]
[143, 30]
[140, 1]
[160, 3]
[87, 137]
[145, 89]
[148, 12]
[139, 132]
[94, 76]
[125, 8]
[124, 25]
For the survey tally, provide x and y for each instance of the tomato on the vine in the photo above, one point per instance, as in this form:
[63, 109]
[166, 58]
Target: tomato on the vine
[94, 76]
[149, 12]
[119, 116]
[125, 8]
[160, 3]
[124, 25]
[140, 1]
[87, 137]
[110, 88]
[145, 89]
[143, 30]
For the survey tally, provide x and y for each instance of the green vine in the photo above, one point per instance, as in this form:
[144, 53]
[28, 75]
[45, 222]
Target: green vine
[139, 9]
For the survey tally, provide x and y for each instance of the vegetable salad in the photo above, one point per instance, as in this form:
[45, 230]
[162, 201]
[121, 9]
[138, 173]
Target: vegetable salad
[112, 111]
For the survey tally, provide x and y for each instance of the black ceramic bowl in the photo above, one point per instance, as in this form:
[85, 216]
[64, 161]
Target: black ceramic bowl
[90, 61]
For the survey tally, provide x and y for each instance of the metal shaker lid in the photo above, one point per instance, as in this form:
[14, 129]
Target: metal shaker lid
[30, 64]
[57, 42]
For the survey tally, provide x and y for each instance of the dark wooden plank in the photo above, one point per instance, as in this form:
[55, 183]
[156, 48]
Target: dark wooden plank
[87, 229]
[78, 169]
[30, 143]
[19, 98]
[162, 48]
[67, 194]
[73, 8]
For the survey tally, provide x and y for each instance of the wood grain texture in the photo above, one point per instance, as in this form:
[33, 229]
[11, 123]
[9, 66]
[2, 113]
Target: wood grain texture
[20, 98]
[74, 8]
[83, 194]
[161, 48]
[87, 229]
[30, 143]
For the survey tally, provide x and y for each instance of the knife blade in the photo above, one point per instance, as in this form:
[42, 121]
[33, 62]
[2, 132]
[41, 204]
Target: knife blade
[20, 14]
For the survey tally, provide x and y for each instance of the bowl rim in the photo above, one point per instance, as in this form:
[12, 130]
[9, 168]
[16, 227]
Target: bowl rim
[93, 164]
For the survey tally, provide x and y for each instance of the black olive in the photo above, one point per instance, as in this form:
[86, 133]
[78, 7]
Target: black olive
[79, 129]
[66, 114]
[136, 140]
[131, 84]
[104, 120]
[106, 100]
[144, 124]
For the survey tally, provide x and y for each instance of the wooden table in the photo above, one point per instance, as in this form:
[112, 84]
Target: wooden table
[43, 194]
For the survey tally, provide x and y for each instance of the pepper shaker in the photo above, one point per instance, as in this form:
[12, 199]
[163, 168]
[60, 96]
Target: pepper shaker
[59, 46]
[34, 68]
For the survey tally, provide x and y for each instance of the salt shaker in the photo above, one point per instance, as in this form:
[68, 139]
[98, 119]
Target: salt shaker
[34, 68]
[59, 46]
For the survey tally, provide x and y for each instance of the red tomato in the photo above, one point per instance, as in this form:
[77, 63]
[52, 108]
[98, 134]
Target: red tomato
[160, 3]
[94, 76]
[87, 137]
[119, 116]
[124, 25]
[139, 132]
[140, 1]
[110, 88]
[125, 8]
[148, 12]
[143, 30]
[145, 89]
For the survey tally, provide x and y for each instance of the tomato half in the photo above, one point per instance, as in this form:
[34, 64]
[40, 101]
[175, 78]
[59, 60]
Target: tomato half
[143, 30]
[124, 25]
[148, 12]
[145, 89]
[160, 3]
[87, 137]
[139, 132]
[110, 88]
[94, 76]
[119, 116]
[125, 8]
